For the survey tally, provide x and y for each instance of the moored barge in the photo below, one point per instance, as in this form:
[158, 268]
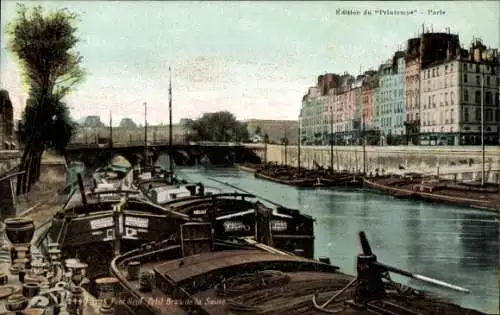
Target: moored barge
[231, 278]
[442, 191]
[292, 176]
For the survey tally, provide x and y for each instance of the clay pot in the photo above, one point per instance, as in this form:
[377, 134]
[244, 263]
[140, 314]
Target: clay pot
[19, 230]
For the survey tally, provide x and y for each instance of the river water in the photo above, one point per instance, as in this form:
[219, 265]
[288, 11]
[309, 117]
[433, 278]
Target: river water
[452, 244]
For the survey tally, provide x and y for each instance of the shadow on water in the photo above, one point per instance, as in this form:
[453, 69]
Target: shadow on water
[453, 244]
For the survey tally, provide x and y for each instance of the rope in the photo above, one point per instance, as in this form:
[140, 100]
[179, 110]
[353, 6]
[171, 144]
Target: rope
[271, 292]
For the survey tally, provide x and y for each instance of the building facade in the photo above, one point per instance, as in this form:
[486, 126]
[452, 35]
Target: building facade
[390, 111]
[432, 94]
[454, 91]
[312, 120]
[412, 92]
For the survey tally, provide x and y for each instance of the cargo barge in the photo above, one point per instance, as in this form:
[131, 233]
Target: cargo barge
[292, 176]
[216, 278]
[440, 191]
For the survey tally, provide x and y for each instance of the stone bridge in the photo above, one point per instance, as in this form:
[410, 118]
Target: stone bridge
[192, 153]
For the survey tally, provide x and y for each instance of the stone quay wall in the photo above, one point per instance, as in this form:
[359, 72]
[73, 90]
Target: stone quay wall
[460, 162]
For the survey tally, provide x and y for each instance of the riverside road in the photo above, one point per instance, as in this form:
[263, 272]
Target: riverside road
[453, 244]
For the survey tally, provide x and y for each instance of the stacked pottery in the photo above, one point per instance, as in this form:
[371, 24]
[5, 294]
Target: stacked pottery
[19, 232]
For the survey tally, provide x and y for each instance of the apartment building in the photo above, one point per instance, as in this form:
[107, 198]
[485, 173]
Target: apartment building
[390, 110]
[452, 91]
[312, 119]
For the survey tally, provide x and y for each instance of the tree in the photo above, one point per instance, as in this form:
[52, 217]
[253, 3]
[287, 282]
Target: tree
[217, 126]
[44, 46]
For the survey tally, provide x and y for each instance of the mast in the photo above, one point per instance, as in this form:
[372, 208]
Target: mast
[110, 130]
[364, 140]
[145, 134]
[171, 162]
[298, 148]
[482, 128]
[331, 139]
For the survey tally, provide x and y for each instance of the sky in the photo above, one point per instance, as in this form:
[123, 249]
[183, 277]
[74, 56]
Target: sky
[254, 59]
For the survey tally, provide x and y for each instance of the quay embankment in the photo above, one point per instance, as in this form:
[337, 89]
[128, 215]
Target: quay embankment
[461, 162]
[427, 187]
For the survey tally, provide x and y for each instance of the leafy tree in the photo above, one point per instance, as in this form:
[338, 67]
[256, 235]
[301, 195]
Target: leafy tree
[217, 126]
[44, 46]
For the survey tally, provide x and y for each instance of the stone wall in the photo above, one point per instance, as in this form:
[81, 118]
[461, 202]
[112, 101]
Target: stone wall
[465, 161]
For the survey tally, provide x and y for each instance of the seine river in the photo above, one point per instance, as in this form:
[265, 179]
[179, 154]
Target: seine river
[452, 244]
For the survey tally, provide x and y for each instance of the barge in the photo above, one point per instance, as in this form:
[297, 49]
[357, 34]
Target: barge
[293, 176]
[441, 191]
[236, 278]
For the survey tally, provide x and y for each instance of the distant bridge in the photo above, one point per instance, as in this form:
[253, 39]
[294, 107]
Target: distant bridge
[184, 153]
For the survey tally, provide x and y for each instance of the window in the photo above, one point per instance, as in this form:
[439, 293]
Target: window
[497, 115]
[433, 101]
[477, 98]
[465, 67]
[466, 96]
[465, 78]
[445, 98]
[445, 68]
[477, 68]
[433, 73]
[478, 80]
[497, 99]
[466, 114]
[487, 99]
[452, 98]
[487, 81]
[478, 114]
[489, 114]
[452, 114]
